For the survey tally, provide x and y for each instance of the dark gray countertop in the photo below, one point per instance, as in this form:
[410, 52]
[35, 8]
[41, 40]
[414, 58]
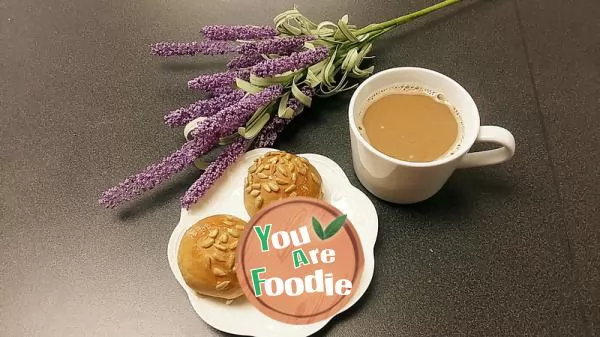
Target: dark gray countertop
[510, 250]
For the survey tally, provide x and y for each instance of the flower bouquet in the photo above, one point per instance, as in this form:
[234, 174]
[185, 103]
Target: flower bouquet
[275, 73]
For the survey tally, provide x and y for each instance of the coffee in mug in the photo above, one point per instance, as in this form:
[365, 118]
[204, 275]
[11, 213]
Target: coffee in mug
[411, 123]
[381, 163]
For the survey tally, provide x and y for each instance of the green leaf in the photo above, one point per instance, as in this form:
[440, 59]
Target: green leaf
[259, 113]
[201, 164]
[334, 226]
[361, 73]
[343, 26]
[268, 81]
[312, 79]
[299, 95]
[250, 133]
[286, 113]
[228, 139]
[309, 45]
[318, 229]
[247, 86]
[318, 67]
[329, 70]
[350, 59]
[282, 111]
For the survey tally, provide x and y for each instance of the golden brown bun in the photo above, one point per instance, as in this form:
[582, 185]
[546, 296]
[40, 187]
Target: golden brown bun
[206, 256]
[278, 175]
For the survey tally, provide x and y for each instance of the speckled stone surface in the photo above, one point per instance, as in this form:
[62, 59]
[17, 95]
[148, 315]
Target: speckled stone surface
[510, 250]
[565, 63]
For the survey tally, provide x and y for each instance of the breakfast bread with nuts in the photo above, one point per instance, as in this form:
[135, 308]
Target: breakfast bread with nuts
[279, 175]
[206, 256]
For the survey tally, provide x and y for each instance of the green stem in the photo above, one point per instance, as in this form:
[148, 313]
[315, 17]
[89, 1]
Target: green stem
[405, 18]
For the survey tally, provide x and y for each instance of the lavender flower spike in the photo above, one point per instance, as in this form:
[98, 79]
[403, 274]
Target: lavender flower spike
[270, 68]
[212, 81]
[202, 108]
[155, 174]
[213, 172]
[227, 121]
[230, 33]
[192, 48]
[245, 61]
[279, 46]
[268, 135]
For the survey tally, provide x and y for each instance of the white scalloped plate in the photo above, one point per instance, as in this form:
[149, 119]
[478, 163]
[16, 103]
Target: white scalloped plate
[226, 196]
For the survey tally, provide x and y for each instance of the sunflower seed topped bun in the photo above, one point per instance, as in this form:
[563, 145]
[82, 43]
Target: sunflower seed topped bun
[206, 256]
[279, 175]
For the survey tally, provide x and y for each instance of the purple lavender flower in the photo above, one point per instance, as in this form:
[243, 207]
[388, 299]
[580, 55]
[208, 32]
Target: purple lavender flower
[212, 81]
[227, 121]
[245, 61]
[279, 46]
[192, 48]
[222, 32]
[213, 172]
[224, 90]
[202, 108]
[298, 60]
[269, 133]
[157, 173]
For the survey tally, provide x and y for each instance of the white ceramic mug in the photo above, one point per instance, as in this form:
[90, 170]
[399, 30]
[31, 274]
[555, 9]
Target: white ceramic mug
[406, 182]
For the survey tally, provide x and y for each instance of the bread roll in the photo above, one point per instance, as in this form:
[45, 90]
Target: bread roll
[206, 256]
[278, 175]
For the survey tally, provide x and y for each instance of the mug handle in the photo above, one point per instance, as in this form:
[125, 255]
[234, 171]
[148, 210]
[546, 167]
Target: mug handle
[491, 134]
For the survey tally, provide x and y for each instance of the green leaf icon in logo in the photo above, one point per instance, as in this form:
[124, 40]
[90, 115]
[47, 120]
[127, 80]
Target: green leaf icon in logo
[331, 229]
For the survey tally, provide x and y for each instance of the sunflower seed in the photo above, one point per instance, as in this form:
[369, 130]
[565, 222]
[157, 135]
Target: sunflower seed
[223, 238]
[266, 187]
[291, 167]
[281, 181]
[302, 170]
[314, 176]
[252, 168]
[219, 257]
[274, 160]
[228, 223]
[248, 189]
[246, 182]
[233, 232]
[258, 202]
[220, 247]
[260, 168]
[262, 176]
[294, 177]
[290, 188]
[231, 261]
[228, 217]
[222, 285]
[233, 245]
[255, 193]
[281, 170]
[218, 272]
[288, 156]
[207, 261]
[206, 243]
[255, 185]
[273, 185]
[213, 233]
[239, 227]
